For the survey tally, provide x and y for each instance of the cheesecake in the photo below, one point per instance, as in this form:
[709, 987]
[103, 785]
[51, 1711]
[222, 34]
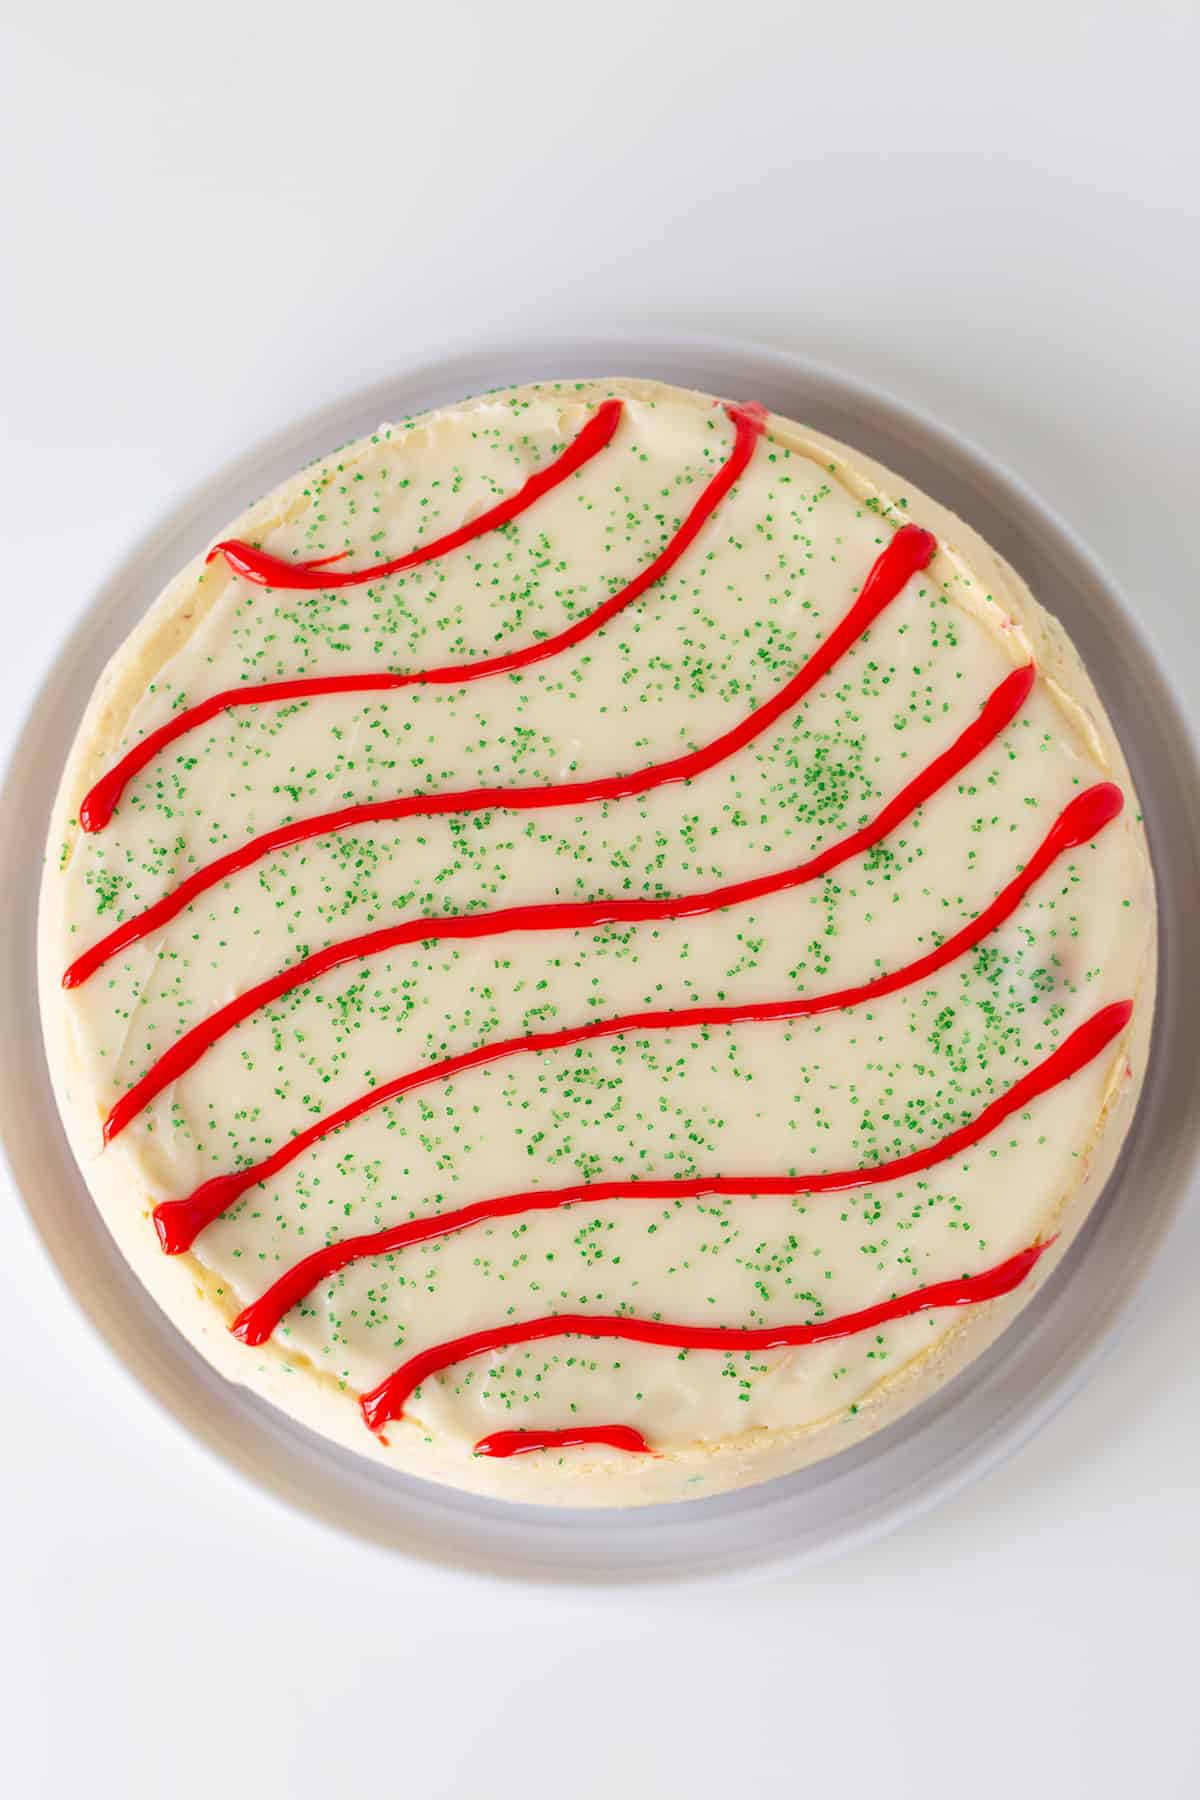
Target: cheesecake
[596, 946]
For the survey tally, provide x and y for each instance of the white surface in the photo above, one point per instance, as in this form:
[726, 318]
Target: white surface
[992, 213]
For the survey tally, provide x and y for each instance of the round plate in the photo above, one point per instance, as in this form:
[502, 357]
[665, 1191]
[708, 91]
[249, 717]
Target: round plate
[982, 1415]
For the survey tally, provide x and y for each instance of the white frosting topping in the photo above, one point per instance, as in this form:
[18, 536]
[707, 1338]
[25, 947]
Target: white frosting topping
[767, 579]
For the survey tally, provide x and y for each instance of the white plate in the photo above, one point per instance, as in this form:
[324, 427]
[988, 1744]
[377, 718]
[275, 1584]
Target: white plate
[980, 1417]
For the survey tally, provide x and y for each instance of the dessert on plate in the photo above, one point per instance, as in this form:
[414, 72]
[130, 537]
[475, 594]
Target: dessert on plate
[597, 946]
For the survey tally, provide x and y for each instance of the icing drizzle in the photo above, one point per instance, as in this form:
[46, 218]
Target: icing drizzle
[519, 1443]
[258, 566]
[387, 1401]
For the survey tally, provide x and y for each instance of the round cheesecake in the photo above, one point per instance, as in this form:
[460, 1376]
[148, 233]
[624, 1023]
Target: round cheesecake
[597, 946]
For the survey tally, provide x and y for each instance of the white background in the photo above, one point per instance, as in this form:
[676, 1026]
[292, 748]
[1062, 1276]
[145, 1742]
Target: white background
[226, 214]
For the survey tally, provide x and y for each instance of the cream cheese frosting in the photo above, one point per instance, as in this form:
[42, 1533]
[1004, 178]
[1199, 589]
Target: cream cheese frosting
[769, 576]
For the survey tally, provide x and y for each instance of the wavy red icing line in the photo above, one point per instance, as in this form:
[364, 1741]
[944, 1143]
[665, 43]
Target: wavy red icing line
[998, 710]
[909, 552]
[99, 803]
[386, 1402]
[274, 572]
[257, 1321]
[519, 1443]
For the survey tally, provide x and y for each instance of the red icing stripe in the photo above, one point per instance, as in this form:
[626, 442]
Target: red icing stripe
[256, 1323]
[272, 571]
[98, 804]
[387, 1401]
[519, 1443]
[908, 552]
[998, 710]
